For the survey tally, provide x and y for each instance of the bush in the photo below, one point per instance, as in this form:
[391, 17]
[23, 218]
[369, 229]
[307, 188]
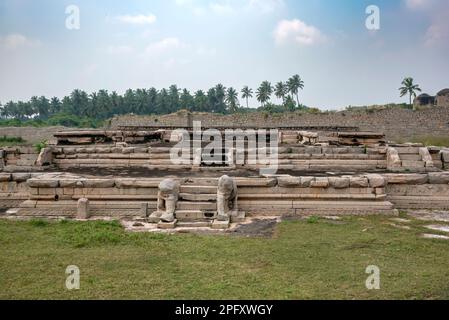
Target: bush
[41, 145]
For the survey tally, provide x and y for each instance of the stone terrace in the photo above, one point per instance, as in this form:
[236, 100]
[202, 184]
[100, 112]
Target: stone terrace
[120, 173]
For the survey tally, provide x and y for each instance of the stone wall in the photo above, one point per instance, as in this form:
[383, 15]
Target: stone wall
[57, 194]
[14, 189]
[31, 135]
[17, 159]
[396, 123]
[443, 100]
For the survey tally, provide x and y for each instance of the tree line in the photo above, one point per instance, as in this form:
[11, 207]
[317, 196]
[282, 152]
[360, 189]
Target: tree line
[103, 105]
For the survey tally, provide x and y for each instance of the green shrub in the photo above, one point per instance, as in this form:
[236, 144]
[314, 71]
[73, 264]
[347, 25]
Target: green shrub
[313, 219]
[41, 145]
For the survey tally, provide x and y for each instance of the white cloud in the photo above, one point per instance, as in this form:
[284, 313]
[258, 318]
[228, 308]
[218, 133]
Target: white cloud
[266, 6]
[184, 2]
[173, 63]
[437, 11]
[123, 49]
[204, 51]
[298, 32]
[139, 19]
[226, 7]
[438, 31]
[164, 45]
[199, 11]
[221, 8]
[16, 40]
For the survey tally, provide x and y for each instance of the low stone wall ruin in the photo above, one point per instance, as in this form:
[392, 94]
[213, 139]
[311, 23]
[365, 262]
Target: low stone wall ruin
[397, 123]
[57, 194]
[17, 159]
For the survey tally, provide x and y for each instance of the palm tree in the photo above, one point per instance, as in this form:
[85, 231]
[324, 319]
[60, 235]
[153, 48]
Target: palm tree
[220, 95]
[247, 93]
[280, 91]
[264, 92]
[294, 84]
[200, 100]
[408, 87]
[232, 99]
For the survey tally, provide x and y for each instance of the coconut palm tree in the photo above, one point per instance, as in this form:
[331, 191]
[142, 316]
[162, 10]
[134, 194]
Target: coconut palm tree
[408, 87]
[264, 92]
[232, 99]
[220, 96]
[280, 91]
[247, 93]
[294, 84]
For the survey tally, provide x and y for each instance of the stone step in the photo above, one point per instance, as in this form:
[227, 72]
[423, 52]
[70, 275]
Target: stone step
[207, 182]
[160, 162]
[407, 150]
[156, 156]
[198, 189]
[438, 164]
[411, 157]
[188, 205]
[315, 206]
[413, 164]
[214, 162]
[194, 224]
[160, 150]
[316, 196]
[208, 197]
[195, 215]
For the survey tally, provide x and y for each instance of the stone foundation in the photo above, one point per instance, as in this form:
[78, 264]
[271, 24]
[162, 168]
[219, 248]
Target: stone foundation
[332, 173]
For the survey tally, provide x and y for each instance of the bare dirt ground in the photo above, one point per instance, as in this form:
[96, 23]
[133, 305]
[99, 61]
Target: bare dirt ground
[256, 228]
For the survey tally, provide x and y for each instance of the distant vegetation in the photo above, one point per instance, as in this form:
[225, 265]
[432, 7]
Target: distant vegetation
[409, 88]
[58, 119]
[83, 110]
[379, 107]
[80, 109]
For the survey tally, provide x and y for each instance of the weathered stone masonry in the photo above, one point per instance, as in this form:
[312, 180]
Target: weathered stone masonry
[396, 123]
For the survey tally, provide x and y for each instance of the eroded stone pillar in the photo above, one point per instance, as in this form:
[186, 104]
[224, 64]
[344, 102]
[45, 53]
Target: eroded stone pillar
[167, 198]
[226, 198]
[83, 210]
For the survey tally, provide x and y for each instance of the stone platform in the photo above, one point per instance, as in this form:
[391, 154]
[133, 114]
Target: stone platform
[336, 173]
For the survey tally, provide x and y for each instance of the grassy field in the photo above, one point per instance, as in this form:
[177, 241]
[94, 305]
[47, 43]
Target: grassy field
[313, 259]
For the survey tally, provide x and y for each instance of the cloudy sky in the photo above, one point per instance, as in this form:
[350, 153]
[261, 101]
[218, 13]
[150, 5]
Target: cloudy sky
[199, 43]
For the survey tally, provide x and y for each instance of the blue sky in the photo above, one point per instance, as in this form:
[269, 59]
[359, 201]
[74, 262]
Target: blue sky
[199, 43]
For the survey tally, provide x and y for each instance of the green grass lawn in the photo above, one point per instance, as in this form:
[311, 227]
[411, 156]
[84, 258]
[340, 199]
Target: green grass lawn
[313, 259]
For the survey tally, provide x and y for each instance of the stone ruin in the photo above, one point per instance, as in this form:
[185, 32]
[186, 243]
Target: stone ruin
[129, 175]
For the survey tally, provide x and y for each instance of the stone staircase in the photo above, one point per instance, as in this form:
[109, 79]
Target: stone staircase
[415, 158]
[197, 206]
